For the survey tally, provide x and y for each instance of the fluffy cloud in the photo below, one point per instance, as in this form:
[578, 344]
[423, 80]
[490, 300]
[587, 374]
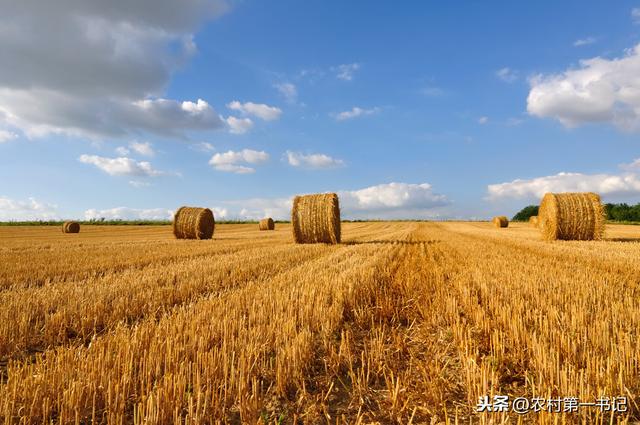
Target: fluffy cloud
[5, 136]
[107, 65]
[239, 125]
[604, 184]
[392, 200]
[317, 160]
[507, 74]
[600, 90]
[260, 110]
[143, 148]
[31, 209]
[483, 120]
[121, 166]
[356, 112]
[345, 72]
[289, 91]
[231, 161]
[124, 213]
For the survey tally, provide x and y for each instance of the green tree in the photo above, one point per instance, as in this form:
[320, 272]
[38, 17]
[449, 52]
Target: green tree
[525, 213]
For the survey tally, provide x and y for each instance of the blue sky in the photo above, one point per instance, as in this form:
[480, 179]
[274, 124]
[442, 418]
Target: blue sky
[430, 110]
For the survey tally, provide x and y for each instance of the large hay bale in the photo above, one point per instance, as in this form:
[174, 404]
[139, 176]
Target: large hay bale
[500, 221]
[316, 218]
[533, 220]
[571, 216]
[70, 227]
[266, 224]
[193, 223]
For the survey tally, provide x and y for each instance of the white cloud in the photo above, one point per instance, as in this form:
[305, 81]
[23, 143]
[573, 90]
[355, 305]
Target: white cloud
[104, 61]
[257, 208]
[260, 110]
[600, 90]
[483, 120]
[317, 160]
[239, 125]
[584, 41]
[604, 184]
[143, 148]
[231, 161]
[6, 135]
[122, 151]
[124, 213]
[31, 209]
[392, 200]
[507, 74]
[203, 147]
[121, 166]
[635, 15]
[219, 213]
[345, 72]
[288, 91]
[356, 112]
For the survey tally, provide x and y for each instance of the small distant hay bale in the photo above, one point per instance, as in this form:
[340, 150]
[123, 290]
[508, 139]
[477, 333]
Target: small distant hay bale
[500, 221]
[316, 218]
[70, 227]
[533, 220]
[571, 216]
[193, 223]
[266, 224]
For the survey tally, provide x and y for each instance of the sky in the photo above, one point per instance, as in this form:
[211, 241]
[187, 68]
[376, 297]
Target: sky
[425, 110]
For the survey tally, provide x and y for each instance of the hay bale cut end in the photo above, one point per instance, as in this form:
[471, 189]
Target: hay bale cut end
[70, 227]
[316, 218]
[193, 223]
[571, 216]
[500, 221]
[266, 224]
[533, 220]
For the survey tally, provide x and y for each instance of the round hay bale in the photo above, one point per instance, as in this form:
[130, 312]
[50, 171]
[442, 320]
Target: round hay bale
[316, 218]
[500, 221]
[70, 227]
[533, 220]
[571, 216]
[266, 224]
[193, 223]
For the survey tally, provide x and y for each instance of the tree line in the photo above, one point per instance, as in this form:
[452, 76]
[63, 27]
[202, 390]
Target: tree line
[614, 212]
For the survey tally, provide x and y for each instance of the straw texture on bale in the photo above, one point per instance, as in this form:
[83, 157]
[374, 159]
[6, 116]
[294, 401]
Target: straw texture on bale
[500, 221]
[571, 216]
[193, 223]
[533, 220]
[266, 224]
[316, 218]
[70, 227]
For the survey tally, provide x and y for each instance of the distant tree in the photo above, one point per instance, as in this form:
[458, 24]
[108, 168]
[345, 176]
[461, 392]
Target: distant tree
[525, 213]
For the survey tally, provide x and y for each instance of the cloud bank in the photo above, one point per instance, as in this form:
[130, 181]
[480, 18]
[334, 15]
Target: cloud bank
[100, 69]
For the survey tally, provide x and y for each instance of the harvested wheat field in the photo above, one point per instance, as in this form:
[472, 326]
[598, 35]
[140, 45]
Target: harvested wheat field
[401, 323]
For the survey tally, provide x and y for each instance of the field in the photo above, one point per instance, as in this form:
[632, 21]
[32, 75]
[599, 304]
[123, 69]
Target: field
[402, 323]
